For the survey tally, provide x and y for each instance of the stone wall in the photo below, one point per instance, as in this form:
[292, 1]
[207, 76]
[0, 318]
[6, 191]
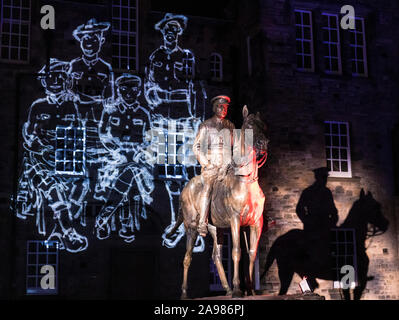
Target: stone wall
[295, 105]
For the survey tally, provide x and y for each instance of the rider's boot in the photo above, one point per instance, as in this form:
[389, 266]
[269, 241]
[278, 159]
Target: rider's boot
[203, 220]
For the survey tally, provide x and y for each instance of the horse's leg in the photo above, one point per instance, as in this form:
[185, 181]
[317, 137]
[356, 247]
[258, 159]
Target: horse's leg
[363, 268]
[236, 255]
[255, 232]
[191, 238]
[285, 274]
[217, 259]
[347, 294]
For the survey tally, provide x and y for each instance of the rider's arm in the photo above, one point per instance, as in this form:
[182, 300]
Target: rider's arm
[200, 147]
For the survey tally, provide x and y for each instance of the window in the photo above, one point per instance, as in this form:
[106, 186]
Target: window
[168, 144]
[331, 44]
[357, 42]
[70, 151]
[343, 253]
[41, 261]
[124, 35]
[15, 30]
[304, 40]
[338, 149]
[216, 66]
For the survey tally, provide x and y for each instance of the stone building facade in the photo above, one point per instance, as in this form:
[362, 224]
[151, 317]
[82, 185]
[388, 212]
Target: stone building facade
[263, 67]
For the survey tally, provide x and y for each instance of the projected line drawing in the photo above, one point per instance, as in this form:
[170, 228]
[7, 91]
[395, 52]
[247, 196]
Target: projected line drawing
[128, 176]
[91, 75]
[170, 92]
[53, 177]
[92, 84]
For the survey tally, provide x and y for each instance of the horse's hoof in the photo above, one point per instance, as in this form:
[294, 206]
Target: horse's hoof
[184, 296]
[237, 294]
[229, 292]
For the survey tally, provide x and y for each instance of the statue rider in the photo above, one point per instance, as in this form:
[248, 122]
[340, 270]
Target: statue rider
[212, 148]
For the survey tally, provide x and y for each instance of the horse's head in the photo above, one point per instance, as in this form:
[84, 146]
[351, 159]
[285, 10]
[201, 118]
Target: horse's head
[258, 127]
[367, 211]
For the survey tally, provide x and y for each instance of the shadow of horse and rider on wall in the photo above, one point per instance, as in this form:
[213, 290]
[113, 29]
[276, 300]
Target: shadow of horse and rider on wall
[321, 249]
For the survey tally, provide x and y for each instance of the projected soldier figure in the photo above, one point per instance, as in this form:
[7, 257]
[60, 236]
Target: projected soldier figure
[92, 83]
[169, 91]
[54, 177]
[128, 174]
[91, 75]
[170, 73]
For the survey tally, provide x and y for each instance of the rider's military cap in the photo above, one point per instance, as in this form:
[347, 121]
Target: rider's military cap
[220, 100]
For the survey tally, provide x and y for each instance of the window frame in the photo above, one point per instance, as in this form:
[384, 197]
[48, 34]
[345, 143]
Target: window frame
[364, 50]
[216, 66]
[127, 33]
[332, 173]
[65, 149]
[37, 290]
[302, 39]
[327, 44]
[19, 22]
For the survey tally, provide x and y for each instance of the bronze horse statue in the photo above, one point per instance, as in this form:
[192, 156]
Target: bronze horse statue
[237, 201]
[291, 250]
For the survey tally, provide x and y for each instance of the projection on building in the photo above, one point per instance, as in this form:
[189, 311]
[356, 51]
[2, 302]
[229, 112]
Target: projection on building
[115, 143]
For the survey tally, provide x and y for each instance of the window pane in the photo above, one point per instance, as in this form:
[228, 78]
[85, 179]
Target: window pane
[306, 47]
[297, 17]
[334, 128]
[342, 129]
[344, 154]
[344, 141]
[306, 18]
[306, 33]
[344, 166]
[336, 166]
[308, 62]
[335, 141]
[333, 22]
[335, 153]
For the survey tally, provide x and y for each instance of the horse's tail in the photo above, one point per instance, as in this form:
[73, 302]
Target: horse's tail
[179, 221]
[270, 259]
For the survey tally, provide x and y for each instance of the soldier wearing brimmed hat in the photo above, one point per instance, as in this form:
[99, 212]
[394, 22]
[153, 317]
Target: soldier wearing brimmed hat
[92, 83]
[212, 148]
[171, 70]
[91, 75]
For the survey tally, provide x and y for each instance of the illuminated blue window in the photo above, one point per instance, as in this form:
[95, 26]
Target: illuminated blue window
[216, 67]
[70, 151]
[358, 49]
[169, 154]
[337, 145]
[124, 34]
[343, 252]
[304, 40]
[331, 43]
[41, 262]
[15, 30]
